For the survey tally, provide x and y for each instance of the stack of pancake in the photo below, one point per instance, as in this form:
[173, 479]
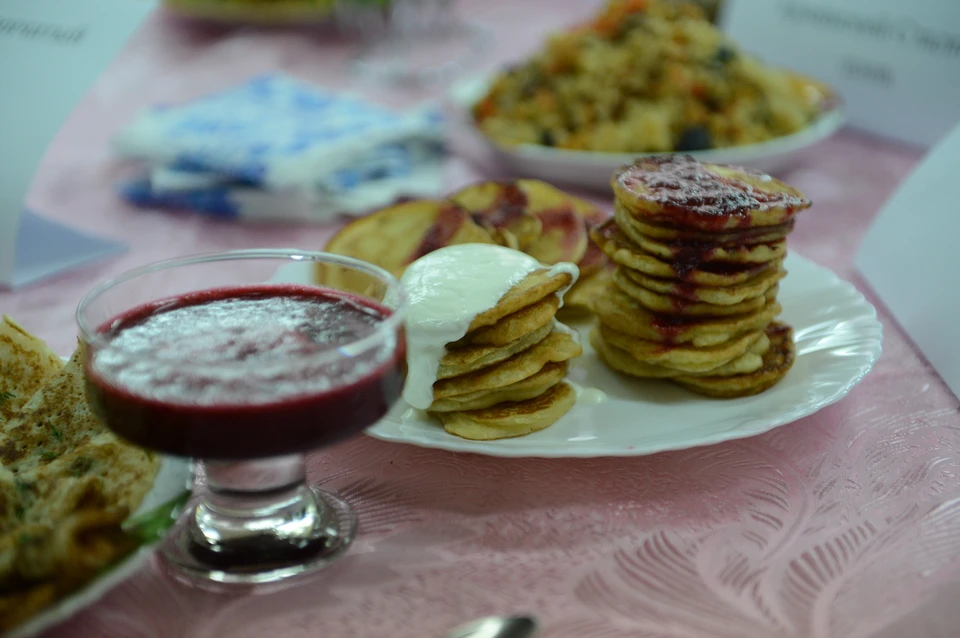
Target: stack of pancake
[505, 377]
[699, 253]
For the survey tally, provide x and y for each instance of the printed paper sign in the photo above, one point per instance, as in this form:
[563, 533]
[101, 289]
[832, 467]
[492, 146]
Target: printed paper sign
[51, 52]
[895, 63]
[909, 256]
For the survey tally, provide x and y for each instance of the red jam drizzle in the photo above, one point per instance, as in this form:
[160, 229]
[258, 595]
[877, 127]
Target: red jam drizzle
[687, 257]
[510, 205]
[706, 211]
[449, 220]
[687, 190]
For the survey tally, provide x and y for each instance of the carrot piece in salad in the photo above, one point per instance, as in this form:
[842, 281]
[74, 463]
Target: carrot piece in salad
[486, 108]
[609, 23]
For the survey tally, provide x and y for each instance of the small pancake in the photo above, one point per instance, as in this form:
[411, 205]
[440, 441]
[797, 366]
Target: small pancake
[513, 326]
[549, 376]
[679, 190]
[503, 237]
[697, 252]
[720, 295]
[580, 299]
[465, 360]
[624, 314]
[749, 361]
[502, 208]
[593, 261]
[557, 347]
[615, 244]
[544, 198]
[622, 361]
[529, 291]
[511, 419]
[672, 305]
[777, 361]
[26, 364]
[669, 232]
[396, 236]
[564, 236]
[681, 357]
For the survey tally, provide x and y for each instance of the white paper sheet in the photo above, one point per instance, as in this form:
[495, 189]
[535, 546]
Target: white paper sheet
[895, 62]
[51, 51]
[911, 257]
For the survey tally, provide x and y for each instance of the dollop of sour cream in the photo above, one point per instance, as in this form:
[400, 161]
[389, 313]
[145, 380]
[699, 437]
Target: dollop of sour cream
[446, 290]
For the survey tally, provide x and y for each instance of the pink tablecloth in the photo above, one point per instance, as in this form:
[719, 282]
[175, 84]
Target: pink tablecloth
[844, 524]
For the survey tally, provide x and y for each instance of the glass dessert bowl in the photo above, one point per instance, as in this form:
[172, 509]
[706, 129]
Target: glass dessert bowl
[198, 357]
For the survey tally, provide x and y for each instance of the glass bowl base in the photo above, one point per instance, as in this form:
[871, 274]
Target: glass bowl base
[296, 538]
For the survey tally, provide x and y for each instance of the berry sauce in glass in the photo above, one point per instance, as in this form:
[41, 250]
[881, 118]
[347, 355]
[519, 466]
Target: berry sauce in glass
[245, 372]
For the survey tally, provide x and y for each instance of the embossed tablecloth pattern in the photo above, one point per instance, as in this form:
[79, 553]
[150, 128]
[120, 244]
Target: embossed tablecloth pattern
[843, 524]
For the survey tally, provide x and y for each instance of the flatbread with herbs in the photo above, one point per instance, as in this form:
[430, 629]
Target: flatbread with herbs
[26, 363]
[67, 483]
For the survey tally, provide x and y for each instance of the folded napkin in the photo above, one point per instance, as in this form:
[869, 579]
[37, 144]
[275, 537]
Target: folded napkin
[277, 148]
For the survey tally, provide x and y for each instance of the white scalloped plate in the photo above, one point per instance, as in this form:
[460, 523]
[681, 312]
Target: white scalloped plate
[592, 169]
[838, 339]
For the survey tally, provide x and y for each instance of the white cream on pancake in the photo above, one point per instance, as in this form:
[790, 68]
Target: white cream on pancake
[446, 290]
[564, 328]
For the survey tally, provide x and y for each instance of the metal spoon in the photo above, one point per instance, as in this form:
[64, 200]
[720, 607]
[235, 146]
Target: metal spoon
[497, 627]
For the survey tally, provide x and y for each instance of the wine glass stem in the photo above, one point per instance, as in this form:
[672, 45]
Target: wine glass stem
[259, 522]
[255, 512]
[263, 475]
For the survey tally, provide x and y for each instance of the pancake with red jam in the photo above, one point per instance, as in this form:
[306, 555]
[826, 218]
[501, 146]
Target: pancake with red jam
[776, 362]
[738, 250]
[625, 253]
[680, 192]
[698, 253]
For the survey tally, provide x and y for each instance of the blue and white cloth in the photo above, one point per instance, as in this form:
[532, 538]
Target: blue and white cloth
[279, 148]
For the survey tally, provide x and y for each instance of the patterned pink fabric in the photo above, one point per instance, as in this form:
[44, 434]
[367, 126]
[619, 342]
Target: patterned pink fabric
[844, 524]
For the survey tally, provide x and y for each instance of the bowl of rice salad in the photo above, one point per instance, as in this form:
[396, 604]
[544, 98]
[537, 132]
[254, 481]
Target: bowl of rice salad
[255, 12]
[644, 77]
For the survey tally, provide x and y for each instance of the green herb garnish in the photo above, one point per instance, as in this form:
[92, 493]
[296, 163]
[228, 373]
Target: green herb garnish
[26, 538]
[48, 456]
[4, 397]
[25, 491]
[56, 433]
[150, 527]
[81, 465]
